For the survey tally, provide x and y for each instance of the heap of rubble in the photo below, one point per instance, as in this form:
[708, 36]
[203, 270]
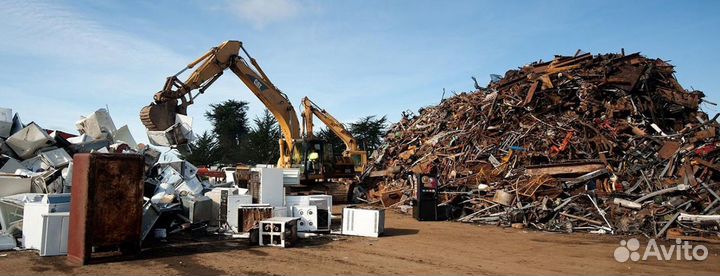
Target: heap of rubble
[609, 143]
[38, 160]
[35, 161]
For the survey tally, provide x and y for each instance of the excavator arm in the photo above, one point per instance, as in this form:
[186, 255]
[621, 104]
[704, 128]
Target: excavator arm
[352, 150]
[177, 95]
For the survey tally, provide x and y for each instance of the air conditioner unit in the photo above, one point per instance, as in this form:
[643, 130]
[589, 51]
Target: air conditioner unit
[278, 232]
[308, 215]
[363, 222]
[324, 208]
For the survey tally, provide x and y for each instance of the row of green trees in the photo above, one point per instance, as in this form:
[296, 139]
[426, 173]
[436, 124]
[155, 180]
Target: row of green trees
[233, 139]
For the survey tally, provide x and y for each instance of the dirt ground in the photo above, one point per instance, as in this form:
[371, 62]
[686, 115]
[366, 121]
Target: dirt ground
[409, 247]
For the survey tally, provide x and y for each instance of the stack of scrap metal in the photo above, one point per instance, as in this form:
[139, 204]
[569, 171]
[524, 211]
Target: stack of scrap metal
[609, 144]
[36, 169]
[38, 160]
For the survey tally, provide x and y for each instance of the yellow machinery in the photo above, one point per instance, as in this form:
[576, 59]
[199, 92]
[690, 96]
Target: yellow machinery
[314, 157]
[352, 156]
[177, 95]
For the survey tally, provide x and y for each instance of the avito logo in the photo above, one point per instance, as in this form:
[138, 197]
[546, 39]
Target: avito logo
[630, 250]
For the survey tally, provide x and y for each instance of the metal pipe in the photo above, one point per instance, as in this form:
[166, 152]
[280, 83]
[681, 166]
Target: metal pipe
[680, 187]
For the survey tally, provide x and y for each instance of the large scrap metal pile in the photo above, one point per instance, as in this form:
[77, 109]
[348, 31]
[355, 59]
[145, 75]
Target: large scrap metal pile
[609, 143]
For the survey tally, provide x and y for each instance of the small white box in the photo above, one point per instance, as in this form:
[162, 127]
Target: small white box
[308, 215]
[278, 232]
[363, 222]
[324, 208]
[55, 234]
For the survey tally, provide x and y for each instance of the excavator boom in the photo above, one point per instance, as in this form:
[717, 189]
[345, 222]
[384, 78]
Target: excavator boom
[177, 95]
[352, 150]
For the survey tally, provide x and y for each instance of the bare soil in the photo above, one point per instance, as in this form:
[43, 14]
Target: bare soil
[408, 247]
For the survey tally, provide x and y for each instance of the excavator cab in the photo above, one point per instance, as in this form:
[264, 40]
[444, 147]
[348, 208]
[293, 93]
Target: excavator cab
[315, 161]
[320, 162]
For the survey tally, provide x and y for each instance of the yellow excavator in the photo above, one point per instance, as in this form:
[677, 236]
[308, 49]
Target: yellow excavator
[313, 156]
[353, 156]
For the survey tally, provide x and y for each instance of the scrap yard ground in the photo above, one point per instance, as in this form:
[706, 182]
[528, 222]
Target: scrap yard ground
[409, 247]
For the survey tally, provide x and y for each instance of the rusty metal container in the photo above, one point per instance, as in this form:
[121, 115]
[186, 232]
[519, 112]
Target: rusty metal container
[107, 204]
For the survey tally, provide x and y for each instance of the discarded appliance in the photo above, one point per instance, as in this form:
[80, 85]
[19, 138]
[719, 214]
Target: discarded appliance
[54, 234]
[229, 173]
[98, 125]
[278, 232]
[182, 175]
[232, 205]
[308, 215]
[28, 140]
[249, 215]
[219, 197]
[291, 176]
[10, 165]
[12, 208]
[34, 232]
[198, 208]
[14, 184]
[178, 134]
[56, 158]
[363, 222]
[268, 187]
[107, 204]
[324, 208]
[151, 213]
[425, 206]
[123, 135]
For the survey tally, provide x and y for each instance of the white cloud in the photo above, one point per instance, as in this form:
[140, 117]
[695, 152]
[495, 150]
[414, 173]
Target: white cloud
[65, 64]
[50, 30]
[263, 12]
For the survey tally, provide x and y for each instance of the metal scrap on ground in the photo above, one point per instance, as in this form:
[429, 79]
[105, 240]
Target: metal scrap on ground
[609, 143]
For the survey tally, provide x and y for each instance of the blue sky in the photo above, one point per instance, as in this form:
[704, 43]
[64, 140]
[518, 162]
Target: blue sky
[64, 59]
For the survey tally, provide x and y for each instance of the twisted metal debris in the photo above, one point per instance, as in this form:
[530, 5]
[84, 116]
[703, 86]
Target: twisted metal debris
[609, 143]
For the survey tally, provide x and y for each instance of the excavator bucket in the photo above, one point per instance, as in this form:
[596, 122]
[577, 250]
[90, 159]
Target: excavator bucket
[159, 116]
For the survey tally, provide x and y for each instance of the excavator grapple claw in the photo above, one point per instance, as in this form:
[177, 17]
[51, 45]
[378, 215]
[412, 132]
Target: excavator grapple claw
[159, 116]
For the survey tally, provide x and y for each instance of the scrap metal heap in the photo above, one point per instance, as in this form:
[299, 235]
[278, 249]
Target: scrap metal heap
[609, 143]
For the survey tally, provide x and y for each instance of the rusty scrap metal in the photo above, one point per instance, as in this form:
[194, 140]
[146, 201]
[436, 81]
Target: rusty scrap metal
[607, 143]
